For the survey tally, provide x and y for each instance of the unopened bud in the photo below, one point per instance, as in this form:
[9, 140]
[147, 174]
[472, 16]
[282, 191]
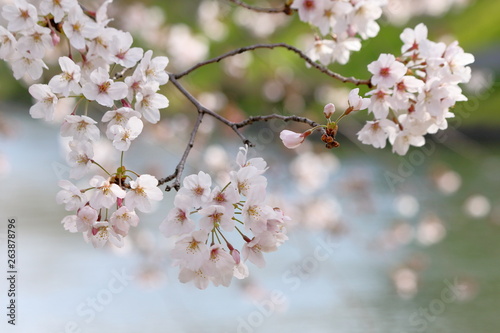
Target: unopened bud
[236, 256]
[329, 110]
[55, 38]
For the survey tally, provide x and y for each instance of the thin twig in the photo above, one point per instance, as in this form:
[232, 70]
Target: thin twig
[286, 9]
[301, 54]
[203, 109]
[254, 119]
[176, 176]
[235, 126]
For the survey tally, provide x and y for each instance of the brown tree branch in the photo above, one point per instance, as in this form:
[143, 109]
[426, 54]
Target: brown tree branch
[301, 54]
[286, 9]
[235, 126]
[176, 176]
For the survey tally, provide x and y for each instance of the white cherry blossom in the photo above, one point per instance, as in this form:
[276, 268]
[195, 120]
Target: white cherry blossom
[197, 187]
[46, 102]
[7, 44]
[58, 8]
[143, 191]
[70, 196]
[178, 221]
[102, 89]
[215, 216]
[68, 81]
[80, 158]
[121, 51]
[122, 219]
[80, 128]
[105, 193]
[123, 135]
[191, 250]
[21, 15]
[386, 71]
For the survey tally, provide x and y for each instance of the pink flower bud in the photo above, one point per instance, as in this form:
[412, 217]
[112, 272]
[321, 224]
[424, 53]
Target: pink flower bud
[55, 38]
[291, 139]
[236, 256]
[329, 110]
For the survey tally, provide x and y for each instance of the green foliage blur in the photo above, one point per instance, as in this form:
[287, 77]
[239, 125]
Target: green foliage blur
[305, 91]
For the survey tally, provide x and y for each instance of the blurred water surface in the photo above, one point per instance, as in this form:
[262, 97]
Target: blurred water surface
[419, 254]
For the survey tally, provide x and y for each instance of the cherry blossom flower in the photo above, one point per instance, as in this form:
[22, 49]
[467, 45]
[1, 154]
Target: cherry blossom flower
[376, 132]
[87, 216]
[191, 250]
[220, 266]
[149, 103]
[412, 38]
[362, 17]
[70, 196]
[322, 51]
[102, 89]
[257, 162]
[80, 128]
[226, 197]
[21, 15]
[122, 219]
[178, 221]
[143, 191]
[78, 27]
[46, 104]
[153, 69]
[102, 232]
[380, 103]
[58, 8]
[356, 102]
[197, 187]
[7, 44]
[35, 41]
[122, 53]
[292, 140]
[80, 158]
[118, 117]
[105, 193]
[68, 81]
[69, 223]
[123, 135]
[252, 252]
[334, 17]
[199, 277]
[23, 63]
[386, 71]
[214, 216]
[247, 178]
[343, 47]
[309, 10]
[255, 213]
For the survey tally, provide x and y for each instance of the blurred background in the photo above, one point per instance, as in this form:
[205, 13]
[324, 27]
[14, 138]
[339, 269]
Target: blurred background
[378, 242]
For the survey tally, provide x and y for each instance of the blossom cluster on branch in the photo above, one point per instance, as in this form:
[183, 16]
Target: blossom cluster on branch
[239, 206]
[411, 95]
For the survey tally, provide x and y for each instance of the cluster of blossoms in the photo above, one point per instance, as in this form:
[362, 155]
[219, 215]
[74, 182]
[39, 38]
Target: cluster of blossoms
[101, 66]
[413, 93]
[342, 21]
[411, 97]
[203, 250]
